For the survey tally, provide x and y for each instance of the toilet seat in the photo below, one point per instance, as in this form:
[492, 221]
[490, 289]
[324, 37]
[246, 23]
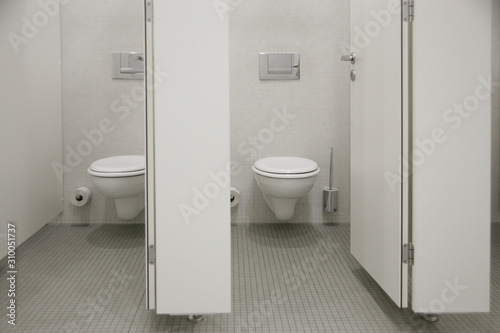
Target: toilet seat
[286, 167]
[118, 166]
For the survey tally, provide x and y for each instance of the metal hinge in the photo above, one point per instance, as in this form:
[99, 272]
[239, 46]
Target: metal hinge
[149, 10]
[152, 254]
[408, 254]
[408, 10]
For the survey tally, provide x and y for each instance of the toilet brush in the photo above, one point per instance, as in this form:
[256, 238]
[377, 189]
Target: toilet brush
[330, 193]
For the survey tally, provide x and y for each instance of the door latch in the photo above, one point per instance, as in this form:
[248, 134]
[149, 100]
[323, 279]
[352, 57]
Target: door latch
[351, 58]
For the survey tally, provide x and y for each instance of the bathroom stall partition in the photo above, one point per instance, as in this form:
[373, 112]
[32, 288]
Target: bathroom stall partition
[188, 213]
[31, 191]
[420, 150]
[419, 166]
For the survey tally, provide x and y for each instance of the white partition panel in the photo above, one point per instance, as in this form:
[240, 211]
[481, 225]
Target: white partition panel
[30, 118]
[150, 160]
[377, 224]
[451, 155]
[191, 126]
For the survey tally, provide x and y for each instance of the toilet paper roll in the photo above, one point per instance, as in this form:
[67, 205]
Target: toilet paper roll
[81, 196]
[235, 197]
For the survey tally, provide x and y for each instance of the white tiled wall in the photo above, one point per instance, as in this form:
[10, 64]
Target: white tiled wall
[91, 31]
[319, 101]
[495, 131]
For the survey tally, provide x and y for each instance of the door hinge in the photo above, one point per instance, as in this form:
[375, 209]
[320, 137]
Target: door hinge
[408, 10]
[149, 10]
[152, 254]
[408, 254]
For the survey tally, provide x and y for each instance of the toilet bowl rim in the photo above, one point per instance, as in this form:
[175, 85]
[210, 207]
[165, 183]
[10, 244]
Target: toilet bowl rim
[116, 174]
[286, 175]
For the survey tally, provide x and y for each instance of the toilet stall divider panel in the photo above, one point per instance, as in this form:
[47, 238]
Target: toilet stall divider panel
[150, 220]
[191, 236]
[451, 182]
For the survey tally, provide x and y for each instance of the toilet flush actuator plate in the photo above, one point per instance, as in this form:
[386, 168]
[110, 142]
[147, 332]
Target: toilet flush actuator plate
[279, 66]
[128, 65]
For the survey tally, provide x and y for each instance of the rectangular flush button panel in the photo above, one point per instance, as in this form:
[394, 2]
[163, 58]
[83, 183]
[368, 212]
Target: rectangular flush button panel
[279, 66]
[128, 66]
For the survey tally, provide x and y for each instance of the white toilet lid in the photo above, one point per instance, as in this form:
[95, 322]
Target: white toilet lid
[286, 165]
[119, 164]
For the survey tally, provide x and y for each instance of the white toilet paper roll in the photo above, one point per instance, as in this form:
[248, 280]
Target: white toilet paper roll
[235, 197]
[81, 196]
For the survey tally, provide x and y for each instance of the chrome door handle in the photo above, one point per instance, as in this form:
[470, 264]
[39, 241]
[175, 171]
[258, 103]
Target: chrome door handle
[351, 58]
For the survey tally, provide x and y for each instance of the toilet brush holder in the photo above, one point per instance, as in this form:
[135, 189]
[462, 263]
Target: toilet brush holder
[330, 193]
[330, 199]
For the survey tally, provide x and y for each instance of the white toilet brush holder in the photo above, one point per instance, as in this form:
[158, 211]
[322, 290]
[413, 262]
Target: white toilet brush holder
[330, 193]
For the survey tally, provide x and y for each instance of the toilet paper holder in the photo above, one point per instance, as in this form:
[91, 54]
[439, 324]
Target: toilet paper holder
[234, 199]
[81, 196]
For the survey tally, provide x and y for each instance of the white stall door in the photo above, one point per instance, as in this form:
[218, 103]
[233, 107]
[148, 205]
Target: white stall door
[376, 144]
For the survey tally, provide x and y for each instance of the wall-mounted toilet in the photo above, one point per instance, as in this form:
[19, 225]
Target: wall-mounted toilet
[283, 180]
[121, 178]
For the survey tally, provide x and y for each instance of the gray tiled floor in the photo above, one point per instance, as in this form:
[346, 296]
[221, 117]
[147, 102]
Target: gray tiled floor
[286, 278]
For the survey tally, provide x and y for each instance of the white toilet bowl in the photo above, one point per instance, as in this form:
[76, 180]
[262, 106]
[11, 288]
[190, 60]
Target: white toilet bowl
[283, 180]
[121, 178]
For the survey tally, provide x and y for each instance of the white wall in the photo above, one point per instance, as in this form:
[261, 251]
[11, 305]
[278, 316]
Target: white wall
[30, 192]
[91, 31]
[495, 115]
[319, 100]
